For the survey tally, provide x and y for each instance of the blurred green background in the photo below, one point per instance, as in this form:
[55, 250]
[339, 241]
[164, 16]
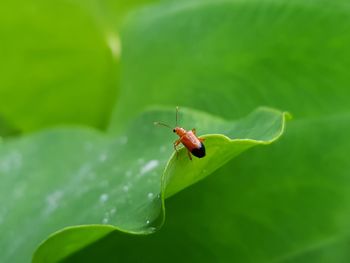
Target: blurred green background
[97, 65]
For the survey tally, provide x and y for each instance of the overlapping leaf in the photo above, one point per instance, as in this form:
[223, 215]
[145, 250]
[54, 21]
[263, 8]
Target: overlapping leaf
[77, 176]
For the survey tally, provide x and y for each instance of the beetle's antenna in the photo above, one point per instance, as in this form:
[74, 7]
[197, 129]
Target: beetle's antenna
[177, 114]
[162, 124]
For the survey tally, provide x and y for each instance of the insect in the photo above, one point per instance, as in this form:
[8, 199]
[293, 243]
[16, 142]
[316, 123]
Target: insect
[189, 139]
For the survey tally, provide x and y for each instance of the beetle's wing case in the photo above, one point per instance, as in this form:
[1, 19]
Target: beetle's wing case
[190, 141]
[193, 144]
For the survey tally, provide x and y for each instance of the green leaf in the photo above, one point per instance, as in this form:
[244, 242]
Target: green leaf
[264, 206]
[54, 62]
[229, 57]
[105, 180]
[289, 203]
[57, 65]
[285, 203]
[261, 127]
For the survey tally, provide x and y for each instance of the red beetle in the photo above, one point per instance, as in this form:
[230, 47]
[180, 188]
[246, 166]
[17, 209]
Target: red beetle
[189, 139]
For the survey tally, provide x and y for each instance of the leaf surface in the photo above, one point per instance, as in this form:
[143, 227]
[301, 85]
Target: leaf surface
[78, 176]
[57, 65]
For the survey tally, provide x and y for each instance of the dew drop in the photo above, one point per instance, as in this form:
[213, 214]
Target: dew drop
[150, 195]
[113, 210]
[103, 198]
[149, 166]
[52, 201]
[13, 160]
[124, 140]
[103, 157]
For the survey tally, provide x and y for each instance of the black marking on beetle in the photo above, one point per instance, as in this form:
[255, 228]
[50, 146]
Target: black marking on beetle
[199, 152]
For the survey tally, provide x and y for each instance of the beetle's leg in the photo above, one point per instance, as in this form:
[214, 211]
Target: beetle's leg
[176, 143]
[201, 139]
[194, 131]
[189, 154]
